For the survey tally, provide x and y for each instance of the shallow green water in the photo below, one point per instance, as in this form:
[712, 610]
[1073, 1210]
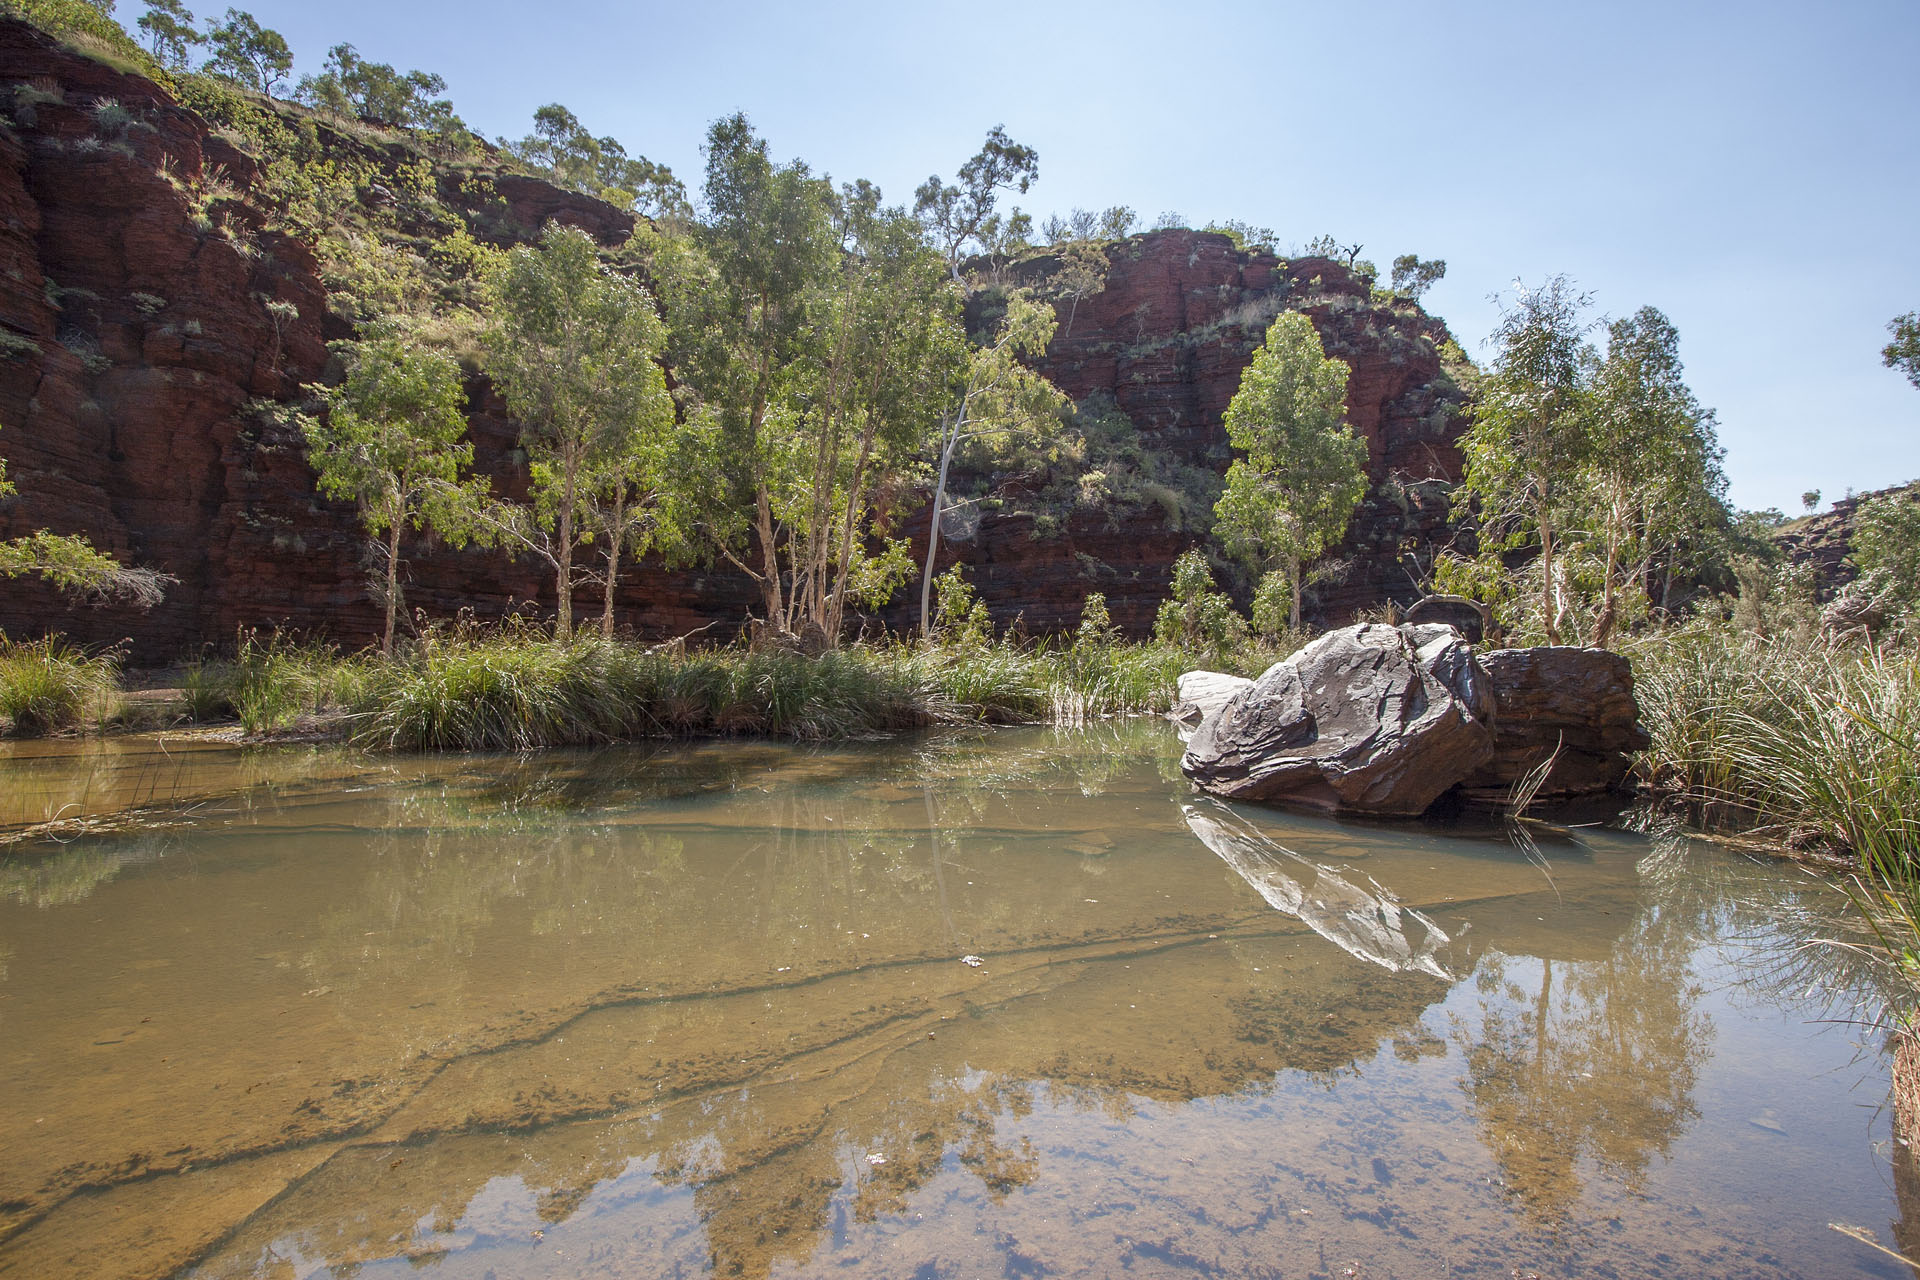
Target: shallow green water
[709, 1010]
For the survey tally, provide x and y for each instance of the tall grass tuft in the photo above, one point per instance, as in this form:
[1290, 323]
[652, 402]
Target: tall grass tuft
[1815, 735]
[270, 682]
[50, 685]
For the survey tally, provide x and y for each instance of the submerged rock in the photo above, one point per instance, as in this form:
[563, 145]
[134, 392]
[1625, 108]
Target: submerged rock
[1367, 719]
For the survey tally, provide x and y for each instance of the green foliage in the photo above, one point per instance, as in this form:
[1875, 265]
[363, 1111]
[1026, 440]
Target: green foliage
[1413, 276]
[561, 147]
[1903, 353]
[1885, 543]
[1096, 629]
[392, 444]
[960, 618]
[574, 349]
[1302, 472]
[243, 51]
[1272, 609]
[49, 685]
[1196, 616]
[1245, 236]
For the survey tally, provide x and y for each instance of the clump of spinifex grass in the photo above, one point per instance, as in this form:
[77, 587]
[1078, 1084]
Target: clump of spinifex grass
[1818, 736]
[271, 682]
[514, 691]
[49, 685]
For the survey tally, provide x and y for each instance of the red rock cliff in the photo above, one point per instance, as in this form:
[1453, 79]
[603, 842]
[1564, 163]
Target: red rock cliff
[1166, 338]
[152, 334]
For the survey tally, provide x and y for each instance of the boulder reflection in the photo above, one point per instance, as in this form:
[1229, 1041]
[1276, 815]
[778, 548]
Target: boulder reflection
[1366, 924]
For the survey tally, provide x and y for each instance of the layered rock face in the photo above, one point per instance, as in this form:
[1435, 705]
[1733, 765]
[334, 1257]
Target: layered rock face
[148, 355]
[133, 343]
[1572, 706]
[153, 334]
[1385, 720]
[1166, 339]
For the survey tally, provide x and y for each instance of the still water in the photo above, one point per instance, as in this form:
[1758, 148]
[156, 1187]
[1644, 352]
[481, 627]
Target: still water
[1016, 1004]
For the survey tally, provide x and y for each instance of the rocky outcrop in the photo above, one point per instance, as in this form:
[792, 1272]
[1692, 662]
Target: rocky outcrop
[1385, 720]
[153, 335]
[1367, 719]
[1166, 339]
[1823, 542]
[1572, 706]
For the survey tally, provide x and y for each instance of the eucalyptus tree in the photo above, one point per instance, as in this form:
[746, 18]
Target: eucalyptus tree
[73, 565]
[247, 53]
[1605, 465]
[566, 150]
[392, 442]
[574, 349]
[1414, 275]
[1653, 486]
[956, 214]
[1301, 471]
[894, 342]
[745, 285]
[1903, 353]
[1529, 436]
[375, 91]
[994, 399]
[170, 32]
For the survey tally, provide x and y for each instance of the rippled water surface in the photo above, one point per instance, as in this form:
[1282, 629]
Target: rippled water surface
[1018, 1004]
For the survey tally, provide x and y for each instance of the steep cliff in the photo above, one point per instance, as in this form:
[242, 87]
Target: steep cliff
[155, 329]
[1164, 342]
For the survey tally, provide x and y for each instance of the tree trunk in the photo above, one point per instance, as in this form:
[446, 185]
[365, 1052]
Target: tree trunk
[1549, 613]
[1603, 625]
[393, 584]
[769, 561]
[933, 536]
[616, 534]
[1293, 581]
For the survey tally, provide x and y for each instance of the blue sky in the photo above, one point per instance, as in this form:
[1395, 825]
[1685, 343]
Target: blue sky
[1751, 169]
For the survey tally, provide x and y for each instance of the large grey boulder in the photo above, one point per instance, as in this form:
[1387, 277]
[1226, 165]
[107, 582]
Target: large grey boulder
[1367, 719]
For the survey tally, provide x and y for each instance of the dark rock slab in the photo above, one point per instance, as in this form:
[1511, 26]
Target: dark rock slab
[1368, 719]
[1579, 701]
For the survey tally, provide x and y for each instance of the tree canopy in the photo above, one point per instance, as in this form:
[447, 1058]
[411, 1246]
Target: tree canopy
[1301, 471]
[392, 443]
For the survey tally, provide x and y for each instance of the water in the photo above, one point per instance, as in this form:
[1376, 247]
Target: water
[709, 1010]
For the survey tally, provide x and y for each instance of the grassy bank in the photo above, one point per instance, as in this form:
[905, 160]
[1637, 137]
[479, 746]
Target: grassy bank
[518, 689]
[1812, 740]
